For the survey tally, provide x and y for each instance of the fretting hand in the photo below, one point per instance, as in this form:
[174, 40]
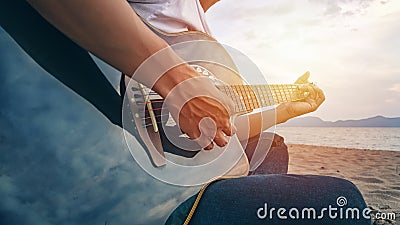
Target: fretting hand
[288, 110]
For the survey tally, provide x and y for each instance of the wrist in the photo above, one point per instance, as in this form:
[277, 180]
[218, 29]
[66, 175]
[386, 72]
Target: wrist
[173, 77]
[282, 113]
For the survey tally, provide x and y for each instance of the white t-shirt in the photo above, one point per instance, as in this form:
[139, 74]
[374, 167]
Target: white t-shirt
[172, 15]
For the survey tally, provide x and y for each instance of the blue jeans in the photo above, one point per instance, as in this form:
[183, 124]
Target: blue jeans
[256, 199]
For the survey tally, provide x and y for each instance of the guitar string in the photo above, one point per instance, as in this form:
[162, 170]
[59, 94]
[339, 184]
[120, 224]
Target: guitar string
[281, 90]
[283, 94]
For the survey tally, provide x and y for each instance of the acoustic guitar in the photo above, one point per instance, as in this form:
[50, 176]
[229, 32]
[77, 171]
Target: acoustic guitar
[171, 161]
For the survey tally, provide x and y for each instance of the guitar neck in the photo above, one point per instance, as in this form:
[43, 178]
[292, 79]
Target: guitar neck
[250, 97]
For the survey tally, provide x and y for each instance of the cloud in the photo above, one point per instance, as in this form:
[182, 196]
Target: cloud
[163, 208]
[390, 100]
[332, 8]
[345, 7]
[395, 88]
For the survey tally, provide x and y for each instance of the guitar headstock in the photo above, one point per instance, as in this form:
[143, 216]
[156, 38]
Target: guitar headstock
[303, 79]
[304, 85]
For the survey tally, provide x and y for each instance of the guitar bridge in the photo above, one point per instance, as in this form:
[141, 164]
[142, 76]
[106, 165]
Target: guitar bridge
[149, 108]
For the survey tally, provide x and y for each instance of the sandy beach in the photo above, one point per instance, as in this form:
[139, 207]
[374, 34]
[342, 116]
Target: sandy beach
[376, 173]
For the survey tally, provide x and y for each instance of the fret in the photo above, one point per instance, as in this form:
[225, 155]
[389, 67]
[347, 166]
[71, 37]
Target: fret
[275, 93]
[286, 93]
[279, 95]
[295, 91]
[261, 100]
[289, 92]
[243, 97]
[242, 104]
[251, 102]
[270, 95]
[254, 98]
[264, 96]
[239, 98]
[238, 106]
[234, 98]
[284, 96]
[279, 98]
[283, 93]
[258, 95]
[289, 95]
[238, 89]
[294, 88]
[247, 96]
[250, 97]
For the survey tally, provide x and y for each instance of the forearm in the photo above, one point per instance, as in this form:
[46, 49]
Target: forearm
[112, 31]
[206, 4]
[109, 29]
[283, 114]
[250, 125]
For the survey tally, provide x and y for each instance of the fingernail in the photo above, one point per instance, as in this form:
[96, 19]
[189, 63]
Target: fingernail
[209, 147]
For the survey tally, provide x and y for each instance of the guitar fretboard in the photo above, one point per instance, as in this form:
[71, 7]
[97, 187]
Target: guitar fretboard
[250, 97]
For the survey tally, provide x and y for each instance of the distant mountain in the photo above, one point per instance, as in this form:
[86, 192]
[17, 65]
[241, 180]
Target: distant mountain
[377, 121]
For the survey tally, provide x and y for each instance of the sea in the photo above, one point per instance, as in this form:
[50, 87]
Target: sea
[374, 138]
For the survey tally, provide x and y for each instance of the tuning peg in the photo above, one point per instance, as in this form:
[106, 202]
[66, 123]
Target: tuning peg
[138, 96]
[135, 89]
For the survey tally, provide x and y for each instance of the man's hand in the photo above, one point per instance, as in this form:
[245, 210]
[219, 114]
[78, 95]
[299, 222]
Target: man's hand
[199, 108]
[288, 110]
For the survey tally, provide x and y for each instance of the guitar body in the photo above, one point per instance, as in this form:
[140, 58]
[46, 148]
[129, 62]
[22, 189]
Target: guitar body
[156, 127]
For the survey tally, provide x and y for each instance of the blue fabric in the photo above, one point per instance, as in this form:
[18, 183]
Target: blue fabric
[237, 201]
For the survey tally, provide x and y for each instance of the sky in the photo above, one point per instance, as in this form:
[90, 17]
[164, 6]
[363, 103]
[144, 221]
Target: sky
[351, 48]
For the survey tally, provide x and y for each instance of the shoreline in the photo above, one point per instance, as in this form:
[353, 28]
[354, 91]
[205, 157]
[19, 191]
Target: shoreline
[342, 148]
[371, 138]
[375, 172]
